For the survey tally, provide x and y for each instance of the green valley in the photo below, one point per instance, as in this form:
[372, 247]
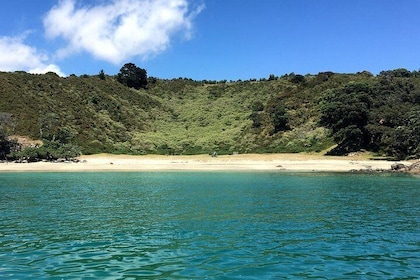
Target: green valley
[337, 113]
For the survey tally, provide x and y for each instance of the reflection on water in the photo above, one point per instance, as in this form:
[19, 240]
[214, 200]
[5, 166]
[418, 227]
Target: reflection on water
[215, 225]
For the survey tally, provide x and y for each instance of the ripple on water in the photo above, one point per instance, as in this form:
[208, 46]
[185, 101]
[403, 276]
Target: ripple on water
[215, 225]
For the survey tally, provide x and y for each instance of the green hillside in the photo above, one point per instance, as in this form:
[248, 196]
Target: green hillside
[291, 113]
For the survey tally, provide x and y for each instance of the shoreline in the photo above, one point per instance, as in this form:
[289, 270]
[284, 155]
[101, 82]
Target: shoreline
[240, 162]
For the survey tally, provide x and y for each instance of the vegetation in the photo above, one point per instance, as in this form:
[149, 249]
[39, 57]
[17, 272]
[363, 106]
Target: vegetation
[380, 115]
[291, 113]
[131, 76]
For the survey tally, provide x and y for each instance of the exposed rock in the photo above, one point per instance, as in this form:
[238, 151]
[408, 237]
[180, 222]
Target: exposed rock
[369, 170]
[398, 167]
[414, 168]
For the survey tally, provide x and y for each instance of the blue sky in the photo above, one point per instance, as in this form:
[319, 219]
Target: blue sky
[209, 39]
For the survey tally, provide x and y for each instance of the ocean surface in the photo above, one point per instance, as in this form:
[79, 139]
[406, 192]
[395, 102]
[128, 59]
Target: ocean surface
[209, 225]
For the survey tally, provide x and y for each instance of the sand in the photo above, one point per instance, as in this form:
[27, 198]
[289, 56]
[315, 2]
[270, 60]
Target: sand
[245, 162]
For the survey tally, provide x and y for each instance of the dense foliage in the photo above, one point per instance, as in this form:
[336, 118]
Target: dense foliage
[381, 115]
[341, 113]
[131, 76]
[345, 111]
[6, 127]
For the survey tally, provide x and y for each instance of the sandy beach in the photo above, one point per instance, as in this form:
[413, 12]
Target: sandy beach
[241, 162]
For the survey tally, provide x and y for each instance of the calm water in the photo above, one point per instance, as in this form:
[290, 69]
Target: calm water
[209, 225]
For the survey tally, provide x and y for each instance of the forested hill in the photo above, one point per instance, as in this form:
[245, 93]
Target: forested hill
[341, 113]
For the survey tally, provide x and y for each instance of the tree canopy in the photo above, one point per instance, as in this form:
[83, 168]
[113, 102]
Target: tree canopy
[132, 76]
[346, 112]
[381, 116]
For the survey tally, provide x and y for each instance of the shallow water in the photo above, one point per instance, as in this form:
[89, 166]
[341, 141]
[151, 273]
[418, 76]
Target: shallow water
[216, 225]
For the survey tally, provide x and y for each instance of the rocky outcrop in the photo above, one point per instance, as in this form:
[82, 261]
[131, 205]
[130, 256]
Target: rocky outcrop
[395, 167]
[414, 168]
[399, 167]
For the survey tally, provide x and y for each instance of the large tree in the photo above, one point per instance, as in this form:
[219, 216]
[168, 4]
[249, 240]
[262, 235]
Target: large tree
[132, 76]
[345, 111]
[277, 114]
[6, 128]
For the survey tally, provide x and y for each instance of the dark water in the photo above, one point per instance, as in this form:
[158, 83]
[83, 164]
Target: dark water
[209, 225]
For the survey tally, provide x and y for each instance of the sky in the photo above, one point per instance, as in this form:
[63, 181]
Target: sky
[209, 39]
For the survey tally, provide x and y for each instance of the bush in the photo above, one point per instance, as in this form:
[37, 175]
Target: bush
[50, 150]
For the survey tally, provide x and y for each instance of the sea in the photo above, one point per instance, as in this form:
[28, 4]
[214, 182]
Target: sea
[209, 225]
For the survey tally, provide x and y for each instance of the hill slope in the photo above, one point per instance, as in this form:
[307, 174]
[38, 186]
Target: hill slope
[181, 116]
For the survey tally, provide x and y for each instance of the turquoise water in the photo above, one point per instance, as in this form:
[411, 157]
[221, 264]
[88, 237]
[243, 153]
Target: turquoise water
[209, 225]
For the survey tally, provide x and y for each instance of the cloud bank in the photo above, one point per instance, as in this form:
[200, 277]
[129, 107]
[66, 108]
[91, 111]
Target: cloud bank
[121, 29]
[113, 31]
[15, 54]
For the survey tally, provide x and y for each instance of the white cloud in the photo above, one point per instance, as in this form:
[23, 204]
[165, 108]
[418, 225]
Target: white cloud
[118, 30]
[45, 68]
[16, 55]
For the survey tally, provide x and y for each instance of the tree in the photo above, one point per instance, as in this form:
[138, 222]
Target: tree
[6, 126]
[277, 114]
[257, 106]
[346, 112]
[257, 114]
[132, 76]
[279, 118]
[272, 77]
[4, 144]
[404, 141]
[49, 124]
[101, 75]
[257, 119]
[297, 79]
